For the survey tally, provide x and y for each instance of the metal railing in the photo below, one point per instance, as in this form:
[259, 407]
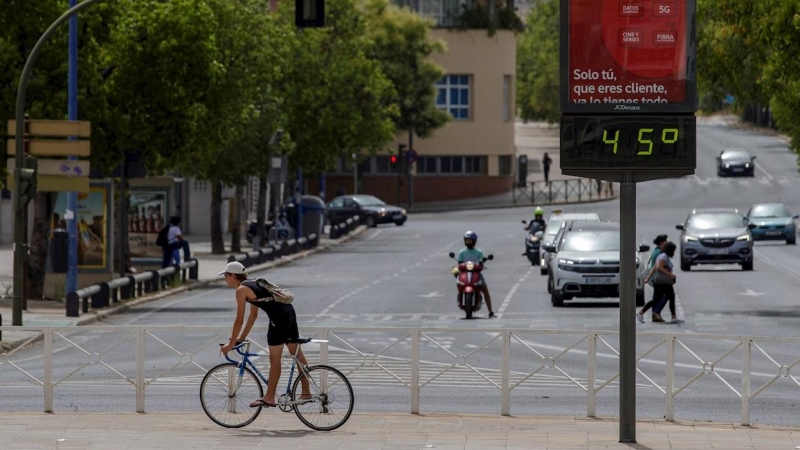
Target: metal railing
[128, 287]
[277, 250]
[564, 191]
[414, 359]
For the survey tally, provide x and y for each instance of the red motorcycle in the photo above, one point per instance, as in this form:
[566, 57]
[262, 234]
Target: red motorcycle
[468, 281]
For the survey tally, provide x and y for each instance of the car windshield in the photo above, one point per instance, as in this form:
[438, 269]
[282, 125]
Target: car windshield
[368, 200]
[553, 227]
[592, 241]
[739, 154]
[711, 221]
[769, 211]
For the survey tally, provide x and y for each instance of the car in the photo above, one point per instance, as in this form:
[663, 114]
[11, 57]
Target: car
[773, 222]
[586, 263]
[371, 210]
[716, 236]
[554, 224]
[735, 161]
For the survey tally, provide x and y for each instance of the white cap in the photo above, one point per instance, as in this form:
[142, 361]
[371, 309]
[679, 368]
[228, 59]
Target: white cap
[234, 267]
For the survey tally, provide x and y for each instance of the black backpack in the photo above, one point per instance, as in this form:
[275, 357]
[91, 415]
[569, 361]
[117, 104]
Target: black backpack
[162, 240]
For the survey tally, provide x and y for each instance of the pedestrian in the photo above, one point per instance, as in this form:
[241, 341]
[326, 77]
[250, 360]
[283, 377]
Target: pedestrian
[546, 162]
[660, 242]
[170, 238]
[664, 281]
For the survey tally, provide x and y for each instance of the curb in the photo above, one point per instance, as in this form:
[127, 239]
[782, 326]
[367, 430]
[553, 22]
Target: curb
[102, 314]
[508, 206]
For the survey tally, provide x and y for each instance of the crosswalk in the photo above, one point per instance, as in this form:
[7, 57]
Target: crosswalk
[742, 182]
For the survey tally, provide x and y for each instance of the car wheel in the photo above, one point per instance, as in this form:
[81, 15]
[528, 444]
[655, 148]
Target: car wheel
[549, 285]
[543, 270]
[791, 241]
[640, 298]
[557, 298]
[685, 266]
[370, 221]
[400, 223]
[747, 265]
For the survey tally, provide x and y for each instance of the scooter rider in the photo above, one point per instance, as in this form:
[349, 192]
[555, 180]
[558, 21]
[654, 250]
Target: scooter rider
[474, 254]
[538, 219]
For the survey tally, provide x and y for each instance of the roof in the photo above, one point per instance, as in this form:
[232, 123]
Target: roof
[593, 226]
[714, 210]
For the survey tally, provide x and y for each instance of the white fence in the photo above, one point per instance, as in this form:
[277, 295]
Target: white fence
[413, 359]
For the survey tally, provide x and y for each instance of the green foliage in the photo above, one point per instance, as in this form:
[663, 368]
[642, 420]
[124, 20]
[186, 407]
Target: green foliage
[538, 65]
[478, 16]
[401, 43]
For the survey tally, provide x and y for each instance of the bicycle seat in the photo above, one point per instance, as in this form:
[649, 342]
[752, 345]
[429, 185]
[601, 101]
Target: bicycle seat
[298, 340]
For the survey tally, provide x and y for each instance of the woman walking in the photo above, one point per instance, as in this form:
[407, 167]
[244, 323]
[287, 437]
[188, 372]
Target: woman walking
[663, 285]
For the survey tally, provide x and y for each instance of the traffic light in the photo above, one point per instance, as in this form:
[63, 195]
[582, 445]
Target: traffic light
[393, 161]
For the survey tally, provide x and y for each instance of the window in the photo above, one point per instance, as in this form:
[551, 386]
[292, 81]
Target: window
[337, 203]
[445, 12]
[469, 165]
[507, 99]
[427, 164]
[504, 161]
[452, 95]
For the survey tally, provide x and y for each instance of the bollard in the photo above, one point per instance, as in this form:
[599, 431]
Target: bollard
[100, 299]
[154, 284]
[73, 304]
[194, 269]
[129, 290]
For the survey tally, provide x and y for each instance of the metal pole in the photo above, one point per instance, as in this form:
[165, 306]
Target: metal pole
[627, 311]
[410, 173]
[355, 176]
[20, 253]
[72, 114]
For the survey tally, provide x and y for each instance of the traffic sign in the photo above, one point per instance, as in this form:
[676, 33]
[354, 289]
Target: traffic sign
[53, 147]
[61, 167]
[57, 183]
[54, 128]
[412, 156]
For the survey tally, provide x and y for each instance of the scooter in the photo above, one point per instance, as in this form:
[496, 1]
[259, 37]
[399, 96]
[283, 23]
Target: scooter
[468, 280]
[533, 243]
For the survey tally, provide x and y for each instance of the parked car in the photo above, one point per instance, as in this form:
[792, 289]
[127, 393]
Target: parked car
[735, 161]
[371, 210]
[773, 222]
[586, 263]
[554, 224]
[716, 236]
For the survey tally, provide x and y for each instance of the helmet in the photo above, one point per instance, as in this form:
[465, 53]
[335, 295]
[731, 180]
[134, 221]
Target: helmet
[538, 211]
[472, 236]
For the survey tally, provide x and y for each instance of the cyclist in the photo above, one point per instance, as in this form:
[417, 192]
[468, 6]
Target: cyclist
[538, 220]
[282, 327]
[474, 254]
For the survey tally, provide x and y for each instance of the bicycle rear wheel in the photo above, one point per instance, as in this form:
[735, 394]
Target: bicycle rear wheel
[331, 398]
[226, 393]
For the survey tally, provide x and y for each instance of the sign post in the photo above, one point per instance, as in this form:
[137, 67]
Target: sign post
[628, 98]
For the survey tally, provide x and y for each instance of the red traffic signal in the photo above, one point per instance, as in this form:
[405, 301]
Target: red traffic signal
[393, 160]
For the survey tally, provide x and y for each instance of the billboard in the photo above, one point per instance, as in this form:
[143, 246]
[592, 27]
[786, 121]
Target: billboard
[93, 215]
[622, 57]
[148, 211]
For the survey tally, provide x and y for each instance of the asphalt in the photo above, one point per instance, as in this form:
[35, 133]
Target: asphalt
[362, 431]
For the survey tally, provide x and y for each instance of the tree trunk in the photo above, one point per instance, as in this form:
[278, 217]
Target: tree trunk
[217, 242]
[261, 212]
[42, 212]
[120, 231]
[236, 226]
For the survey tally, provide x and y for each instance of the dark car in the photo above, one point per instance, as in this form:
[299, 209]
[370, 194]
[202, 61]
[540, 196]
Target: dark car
[371, 210]
[735, 161]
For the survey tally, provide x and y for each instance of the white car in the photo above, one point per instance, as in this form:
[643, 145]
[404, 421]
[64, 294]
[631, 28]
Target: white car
[586, 263]
[557, 221]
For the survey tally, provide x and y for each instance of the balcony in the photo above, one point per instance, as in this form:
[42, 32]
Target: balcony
[467, 14]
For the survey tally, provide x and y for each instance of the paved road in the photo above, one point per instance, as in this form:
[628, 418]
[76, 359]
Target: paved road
[399, 276]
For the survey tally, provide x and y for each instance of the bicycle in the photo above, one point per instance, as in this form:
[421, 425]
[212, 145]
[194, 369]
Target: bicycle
[227, 390]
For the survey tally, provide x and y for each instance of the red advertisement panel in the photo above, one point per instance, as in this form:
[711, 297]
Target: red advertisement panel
[627, 52]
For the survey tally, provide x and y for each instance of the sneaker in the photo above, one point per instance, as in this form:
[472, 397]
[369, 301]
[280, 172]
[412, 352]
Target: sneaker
[676, 320]
[640, 317]
[491, 314]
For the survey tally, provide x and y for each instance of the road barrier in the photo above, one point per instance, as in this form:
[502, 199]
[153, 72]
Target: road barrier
[564, 191]
[276, 250]
[128, 287]
[340, 229]
[517, 365]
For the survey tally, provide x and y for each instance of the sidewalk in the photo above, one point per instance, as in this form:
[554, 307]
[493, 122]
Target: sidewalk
[277, 430]
[49, 313]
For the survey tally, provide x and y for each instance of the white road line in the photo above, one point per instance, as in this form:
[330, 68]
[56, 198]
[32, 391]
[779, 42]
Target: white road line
[764, 181]
[784, 180]
[700, 181]
[758, 166]
[203, 294]
[511, 293]
[374, 235]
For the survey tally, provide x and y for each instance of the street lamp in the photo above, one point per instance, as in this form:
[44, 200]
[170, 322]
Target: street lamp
[355, 175]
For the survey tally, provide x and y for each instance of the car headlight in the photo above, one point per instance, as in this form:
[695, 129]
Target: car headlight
[566, 261]
[747, 165]
[470, 266]
[403, 211]
[534, 238]
[727, 166]
[745, 237]
[690, 239]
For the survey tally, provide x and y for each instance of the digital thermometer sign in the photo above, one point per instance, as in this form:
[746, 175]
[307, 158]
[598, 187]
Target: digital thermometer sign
[628, 56]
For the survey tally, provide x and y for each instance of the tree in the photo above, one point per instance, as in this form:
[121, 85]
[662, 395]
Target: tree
[538, 65]
[401, 43]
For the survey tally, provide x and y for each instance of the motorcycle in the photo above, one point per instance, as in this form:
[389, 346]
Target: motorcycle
[533, 243]
[468, 279]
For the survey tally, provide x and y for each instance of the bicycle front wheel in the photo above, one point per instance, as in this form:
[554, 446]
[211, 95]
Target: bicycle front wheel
[331, 401]
[226, 392]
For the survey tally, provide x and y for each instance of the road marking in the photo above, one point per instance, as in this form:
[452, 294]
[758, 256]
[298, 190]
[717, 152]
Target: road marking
[758, 166]
[511, 293]
[374, 235]
[431, 295]
[150, 313]
[751, 293]
[744, 183]
[701, 181]
[765, 181]
[783, 180]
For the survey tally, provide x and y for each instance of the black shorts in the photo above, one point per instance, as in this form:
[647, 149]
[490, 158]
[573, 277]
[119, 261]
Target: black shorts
[282, 324]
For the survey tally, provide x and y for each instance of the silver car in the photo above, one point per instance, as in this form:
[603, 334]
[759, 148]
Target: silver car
[555, 223]
[716, 236]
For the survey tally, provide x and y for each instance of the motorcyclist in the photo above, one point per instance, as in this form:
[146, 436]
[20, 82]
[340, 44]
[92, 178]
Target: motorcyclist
[538, 222]
[474, 254]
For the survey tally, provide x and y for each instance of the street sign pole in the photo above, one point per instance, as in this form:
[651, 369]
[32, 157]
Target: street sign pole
[71, 214]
